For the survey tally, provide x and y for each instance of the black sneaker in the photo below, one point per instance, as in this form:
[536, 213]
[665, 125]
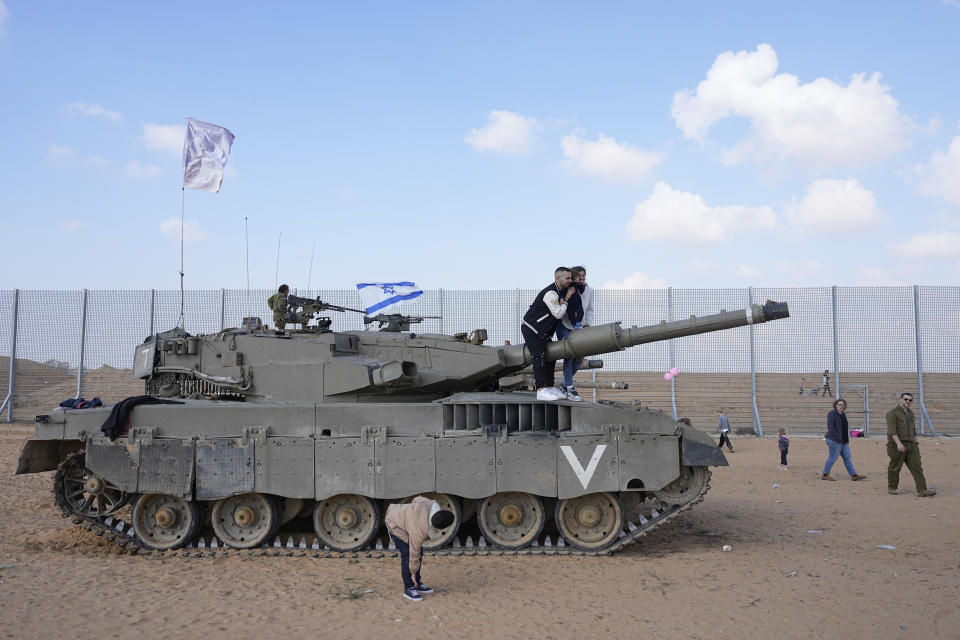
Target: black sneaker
[412, 594]
[571, 393]
[424, 589]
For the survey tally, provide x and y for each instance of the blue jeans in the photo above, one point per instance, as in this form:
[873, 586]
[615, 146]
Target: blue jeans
[572, 365]
[839, 450]
[404, 550]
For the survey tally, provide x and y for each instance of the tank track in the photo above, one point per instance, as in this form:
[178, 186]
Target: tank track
[121, 532]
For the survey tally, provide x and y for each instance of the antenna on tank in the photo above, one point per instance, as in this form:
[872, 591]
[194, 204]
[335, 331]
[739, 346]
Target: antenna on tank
[246, 226]
[276, 273]
[310, 275]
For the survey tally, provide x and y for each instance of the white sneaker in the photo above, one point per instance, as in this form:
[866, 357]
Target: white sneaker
[549, 394]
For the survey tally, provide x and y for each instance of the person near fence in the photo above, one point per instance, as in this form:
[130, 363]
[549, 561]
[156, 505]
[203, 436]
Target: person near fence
[278, 304]
[539, 323]
[826, 383]
[409, 527]
[723, 428]
[838, 441]
[783, 443]
[902, 448]
[579, 315]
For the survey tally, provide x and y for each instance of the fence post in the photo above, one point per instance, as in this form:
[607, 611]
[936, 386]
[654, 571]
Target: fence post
[673, 381]
[152, 296]
[441, 310]
[223, 306]
[757, 425]
[83, 344]
[13, 359]
[836, 346]
[918, 344]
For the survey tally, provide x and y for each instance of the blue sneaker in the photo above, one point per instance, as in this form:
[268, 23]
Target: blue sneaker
[412, 594]
[424, 589]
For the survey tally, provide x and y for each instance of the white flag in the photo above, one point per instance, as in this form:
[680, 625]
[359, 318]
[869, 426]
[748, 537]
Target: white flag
[384, 297]
[206, 149]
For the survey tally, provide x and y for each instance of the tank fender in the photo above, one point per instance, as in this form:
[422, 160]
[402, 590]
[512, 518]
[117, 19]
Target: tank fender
[697, 449]
[44, 455]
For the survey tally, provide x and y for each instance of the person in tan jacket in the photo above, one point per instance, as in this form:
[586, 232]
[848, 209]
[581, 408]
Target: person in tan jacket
[409, 527]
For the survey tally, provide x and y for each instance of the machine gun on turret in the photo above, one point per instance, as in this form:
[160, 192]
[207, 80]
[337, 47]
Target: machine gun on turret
[302, 310]
[396, 322]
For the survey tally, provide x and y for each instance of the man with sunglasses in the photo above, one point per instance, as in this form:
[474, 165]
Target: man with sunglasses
[903, 449]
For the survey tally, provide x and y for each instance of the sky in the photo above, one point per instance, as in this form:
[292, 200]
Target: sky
[480, 145]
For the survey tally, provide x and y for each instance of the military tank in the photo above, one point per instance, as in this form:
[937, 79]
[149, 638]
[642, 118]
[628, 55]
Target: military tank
[261, 428]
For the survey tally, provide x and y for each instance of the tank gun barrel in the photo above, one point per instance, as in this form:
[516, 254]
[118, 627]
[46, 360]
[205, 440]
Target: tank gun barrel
[608, 338]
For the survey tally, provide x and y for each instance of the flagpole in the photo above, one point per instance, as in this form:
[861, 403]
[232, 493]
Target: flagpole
[182, 201]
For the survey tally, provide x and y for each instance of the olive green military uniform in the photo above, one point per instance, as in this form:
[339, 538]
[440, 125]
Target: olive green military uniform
[900, 422]
[278, 304]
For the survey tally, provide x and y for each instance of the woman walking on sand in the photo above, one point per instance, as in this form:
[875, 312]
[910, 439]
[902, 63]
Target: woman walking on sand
[838, 441]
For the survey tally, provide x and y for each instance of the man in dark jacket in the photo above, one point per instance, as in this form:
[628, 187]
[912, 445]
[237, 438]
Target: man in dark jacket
[539, 323]
[902, 447]
[838, 441]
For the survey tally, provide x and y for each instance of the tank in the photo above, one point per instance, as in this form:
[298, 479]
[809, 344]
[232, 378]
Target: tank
[315, 429]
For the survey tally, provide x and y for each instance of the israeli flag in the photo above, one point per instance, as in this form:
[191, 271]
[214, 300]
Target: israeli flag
[384, 297]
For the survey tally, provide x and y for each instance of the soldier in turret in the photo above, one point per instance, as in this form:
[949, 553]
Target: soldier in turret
[539, 323]
[278, 304]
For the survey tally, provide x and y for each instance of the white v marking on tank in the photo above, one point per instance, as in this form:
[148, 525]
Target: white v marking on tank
[584, 475]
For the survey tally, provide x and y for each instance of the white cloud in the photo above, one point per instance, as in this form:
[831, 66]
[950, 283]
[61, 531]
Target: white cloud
[164, 137]
[92, 110]
[941, 176]
[96, 161]
[938, 244]
[636, 280]
[4, 12]
[876, 277]
[135, 169]
[684, 218]
[191, 229]
[820, 122]
[60, 153]
[747, 271]
[609, 159]
[836, 205]
[505, 132]
[73, 225]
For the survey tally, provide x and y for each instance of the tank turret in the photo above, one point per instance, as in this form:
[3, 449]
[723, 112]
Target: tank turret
[379, 366]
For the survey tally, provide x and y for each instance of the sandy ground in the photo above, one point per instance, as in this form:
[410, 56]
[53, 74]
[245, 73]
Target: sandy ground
[805, 563]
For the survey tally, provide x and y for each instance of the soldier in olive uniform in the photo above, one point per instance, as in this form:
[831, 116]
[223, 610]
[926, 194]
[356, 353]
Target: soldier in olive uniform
[902, 447]
[278, 304]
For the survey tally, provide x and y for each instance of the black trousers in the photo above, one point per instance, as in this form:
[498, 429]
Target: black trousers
[404, 549]
[543, 373]
[725, 438]
[783, 458]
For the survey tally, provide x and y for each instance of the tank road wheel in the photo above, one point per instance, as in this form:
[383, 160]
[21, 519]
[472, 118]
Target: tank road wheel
[590, 522]
[246, 520]
[687, 487]
[84, 493]
[347, 522]
[166, 522]
[446, 536]
[511, 520]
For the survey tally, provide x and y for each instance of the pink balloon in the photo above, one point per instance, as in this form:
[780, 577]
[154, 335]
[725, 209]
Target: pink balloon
[674, 372]
[668, 376]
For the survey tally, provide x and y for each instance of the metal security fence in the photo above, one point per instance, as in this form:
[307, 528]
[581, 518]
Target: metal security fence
[865, 343]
